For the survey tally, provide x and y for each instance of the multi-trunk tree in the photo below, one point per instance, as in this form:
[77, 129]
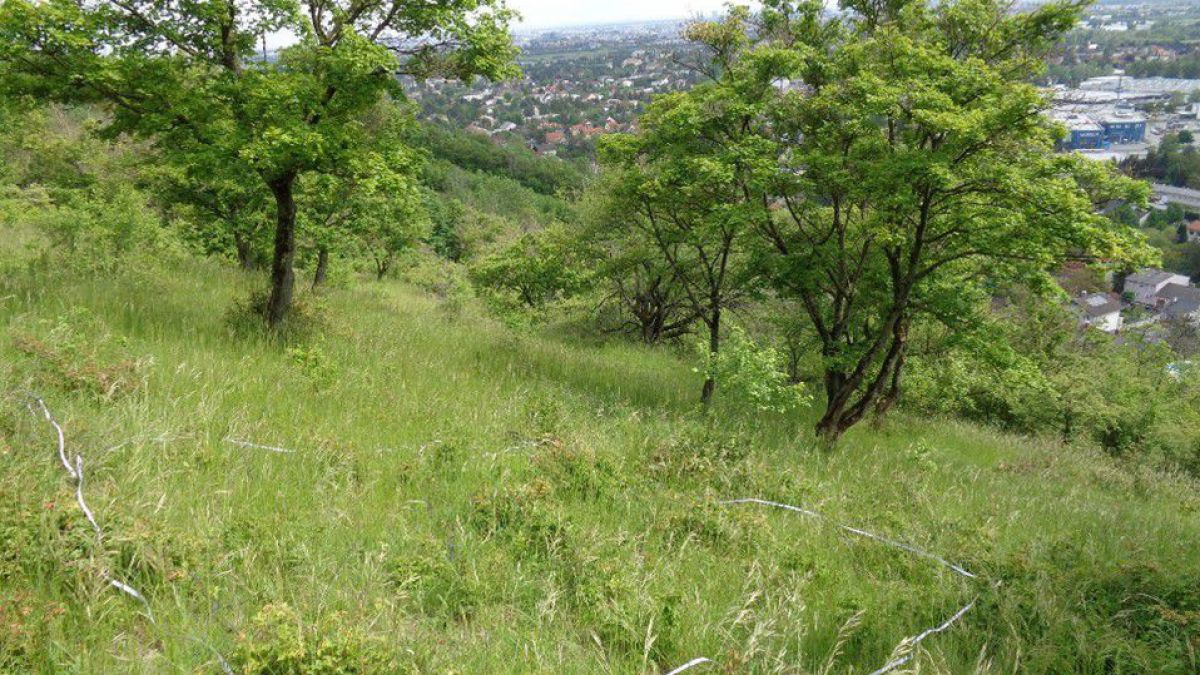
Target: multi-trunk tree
[917, 171]
[690, 181]
[189, 75]
[894, 163]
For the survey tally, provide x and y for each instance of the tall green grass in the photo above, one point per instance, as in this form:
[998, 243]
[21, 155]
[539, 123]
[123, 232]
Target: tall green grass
[466, 498]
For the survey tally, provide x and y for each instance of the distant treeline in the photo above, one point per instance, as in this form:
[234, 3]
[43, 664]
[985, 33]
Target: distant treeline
[1186, 67]
[476, 153]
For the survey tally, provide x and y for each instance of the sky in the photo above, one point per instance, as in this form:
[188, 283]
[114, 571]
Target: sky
[549, 13]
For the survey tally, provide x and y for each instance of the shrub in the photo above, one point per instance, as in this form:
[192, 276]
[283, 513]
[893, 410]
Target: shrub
[435, 582]
[279, 642]
[445, 280]
[752, 376]
[308, 317]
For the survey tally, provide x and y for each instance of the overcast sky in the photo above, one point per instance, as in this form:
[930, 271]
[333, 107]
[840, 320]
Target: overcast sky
[544, 13]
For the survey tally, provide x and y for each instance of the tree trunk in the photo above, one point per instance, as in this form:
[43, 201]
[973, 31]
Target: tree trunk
[840, 387]
[322, 266]
[382, 267]
[714, 346]
[829, 427]
[245, 251]
[889, 397]
[283, 276]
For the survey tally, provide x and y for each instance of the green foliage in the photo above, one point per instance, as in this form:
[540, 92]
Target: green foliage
[544, 176]
[903, 172]
[447, 281]
[462, 492]
[535, 270]
[750, 375]
[314, 364]
[497, 196]
[1033, 372]
[278, 641]
[446, 217]
[186, 79]
[99, 230]
[78, 352]
[1174, 161]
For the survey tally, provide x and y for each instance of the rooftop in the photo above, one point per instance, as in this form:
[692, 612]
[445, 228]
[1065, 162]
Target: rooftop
[1151, 277]
[1184, 300]
[1097, 304]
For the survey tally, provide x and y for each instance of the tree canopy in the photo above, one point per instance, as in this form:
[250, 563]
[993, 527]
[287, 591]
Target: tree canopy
[187, 75]
[894, 161]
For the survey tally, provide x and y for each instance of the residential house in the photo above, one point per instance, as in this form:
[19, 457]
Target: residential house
[1145, 286]
[1098, 310]
[1179, 301]
[1193, 231]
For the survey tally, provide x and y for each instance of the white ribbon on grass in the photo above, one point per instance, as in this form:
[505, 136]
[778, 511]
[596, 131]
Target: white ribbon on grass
[82, 504]
[906, 648]
[689, 665]
[256, 446]
[862, 533]
[62, 441]
[76, 474]
[909, 645]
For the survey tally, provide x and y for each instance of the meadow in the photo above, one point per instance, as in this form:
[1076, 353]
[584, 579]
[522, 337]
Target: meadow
[407, 485]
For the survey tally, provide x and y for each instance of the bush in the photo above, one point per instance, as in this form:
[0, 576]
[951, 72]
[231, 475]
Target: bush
[307, 318]
[751, 376]
[445, 280]
[103, 229]
[279, 642]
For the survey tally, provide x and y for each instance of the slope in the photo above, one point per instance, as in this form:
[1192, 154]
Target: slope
[407, 486]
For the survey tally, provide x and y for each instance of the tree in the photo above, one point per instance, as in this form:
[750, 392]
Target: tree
[640, 288]
[649, 295]
[229, 206]
[534, 269]
[186, 75]
[895, 161]
[918, 172]
[689, 180]
[372, 201]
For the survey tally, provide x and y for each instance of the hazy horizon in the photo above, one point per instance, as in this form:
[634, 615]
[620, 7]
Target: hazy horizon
[554, 13]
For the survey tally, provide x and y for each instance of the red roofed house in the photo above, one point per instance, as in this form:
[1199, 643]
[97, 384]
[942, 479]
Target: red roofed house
[1193, 231]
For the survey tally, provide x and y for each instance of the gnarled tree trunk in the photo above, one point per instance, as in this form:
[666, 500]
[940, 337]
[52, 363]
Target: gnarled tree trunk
[283, 275]
[322, 266]
[845, 404]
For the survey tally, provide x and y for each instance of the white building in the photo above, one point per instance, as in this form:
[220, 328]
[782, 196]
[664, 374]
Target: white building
[1099, 311]
[1146, 285]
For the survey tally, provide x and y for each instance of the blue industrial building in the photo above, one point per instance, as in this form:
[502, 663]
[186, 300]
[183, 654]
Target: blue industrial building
[1096, 132]
[1083, 133]
[1124, 127]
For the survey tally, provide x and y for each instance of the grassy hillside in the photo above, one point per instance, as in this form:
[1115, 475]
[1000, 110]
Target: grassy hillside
[463, 498]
